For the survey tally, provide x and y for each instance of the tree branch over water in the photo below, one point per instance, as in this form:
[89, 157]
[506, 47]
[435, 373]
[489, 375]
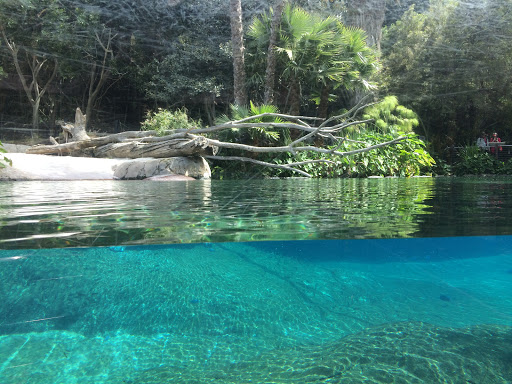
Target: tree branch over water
[208, 142]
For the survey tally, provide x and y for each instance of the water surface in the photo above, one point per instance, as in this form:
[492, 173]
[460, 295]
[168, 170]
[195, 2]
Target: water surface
[95, 213]
[267, 281]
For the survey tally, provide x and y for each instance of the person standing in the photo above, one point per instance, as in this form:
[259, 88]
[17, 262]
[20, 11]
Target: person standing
[481, 142]
[495, 139]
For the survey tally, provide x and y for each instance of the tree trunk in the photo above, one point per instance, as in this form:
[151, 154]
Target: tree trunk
[270, 72]
[91, 99]
[323, 107]
[368, 15]
[294, 97]
[35, 115]
[237, 40]
[119, 146]
[97, 81]
[34, 91]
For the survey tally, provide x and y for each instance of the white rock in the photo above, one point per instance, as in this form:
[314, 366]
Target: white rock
[195, 167]
[45, 167]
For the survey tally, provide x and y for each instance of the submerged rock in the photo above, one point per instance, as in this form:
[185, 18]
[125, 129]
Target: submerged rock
[394, 353]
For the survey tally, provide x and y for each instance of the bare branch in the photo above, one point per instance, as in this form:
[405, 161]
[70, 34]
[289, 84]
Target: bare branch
[263, 163]
[268, 114]
[339, 127]
[312, 162]
[352, 112]
[52, 77]
[221, 127]
[366, 149]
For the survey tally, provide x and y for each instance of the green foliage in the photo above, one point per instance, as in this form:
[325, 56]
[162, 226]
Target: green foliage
[473, 161]
[4, 160]
[190, 58]
[254, 135]
[449, 64]
[504, 168]
[390, 116]
[406, 158]
[316, 56]
[164, 121]
[441, 166]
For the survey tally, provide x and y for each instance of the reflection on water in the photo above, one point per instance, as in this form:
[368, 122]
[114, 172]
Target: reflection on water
[402, 310]
[95, 213]
[85, 213]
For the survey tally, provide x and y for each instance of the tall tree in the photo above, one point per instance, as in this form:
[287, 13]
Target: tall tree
[237, 40]
[100, 70]
[29, 30]
[270, 72]
[452, 65]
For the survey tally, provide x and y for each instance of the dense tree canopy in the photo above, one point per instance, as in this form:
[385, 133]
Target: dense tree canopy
[452, 64]
[448, 61]
[315, 56]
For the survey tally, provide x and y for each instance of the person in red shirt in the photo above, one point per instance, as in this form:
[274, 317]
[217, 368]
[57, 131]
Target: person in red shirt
[495, 139]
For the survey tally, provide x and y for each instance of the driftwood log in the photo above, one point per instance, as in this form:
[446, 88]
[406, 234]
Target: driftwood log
[129, 145]
[201, 141]
[74, 132]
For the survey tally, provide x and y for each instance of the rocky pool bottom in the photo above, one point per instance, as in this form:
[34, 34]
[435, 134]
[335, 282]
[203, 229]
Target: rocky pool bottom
[244, 312]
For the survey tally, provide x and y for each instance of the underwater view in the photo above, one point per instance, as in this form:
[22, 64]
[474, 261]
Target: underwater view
[364, 301]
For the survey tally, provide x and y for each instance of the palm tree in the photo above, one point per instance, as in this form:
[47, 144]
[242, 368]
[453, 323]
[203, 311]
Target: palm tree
[350, 67]
[314, 53]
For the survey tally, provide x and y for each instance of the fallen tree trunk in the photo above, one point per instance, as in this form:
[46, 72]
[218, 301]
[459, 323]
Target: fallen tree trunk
[77, 148]
[178, 147]
[130, 145]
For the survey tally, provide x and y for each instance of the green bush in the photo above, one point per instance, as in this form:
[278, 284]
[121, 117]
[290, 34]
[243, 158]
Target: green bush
[389, 120]
[473, 161]
[4, 160]
[389, 116]
[164, 121]
[406, 158]
[441, 167]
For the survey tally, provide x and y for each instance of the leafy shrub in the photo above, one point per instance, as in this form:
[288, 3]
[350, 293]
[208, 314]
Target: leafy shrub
[474, 161]
[389, 121]
[441, 167]
[504, 168]
[389, 116]
[406, 158]
[164, 121]
[4, 160]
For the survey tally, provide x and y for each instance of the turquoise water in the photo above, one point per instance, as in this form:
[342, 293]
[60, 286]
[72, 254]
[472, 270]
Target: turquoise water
[376, 296]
